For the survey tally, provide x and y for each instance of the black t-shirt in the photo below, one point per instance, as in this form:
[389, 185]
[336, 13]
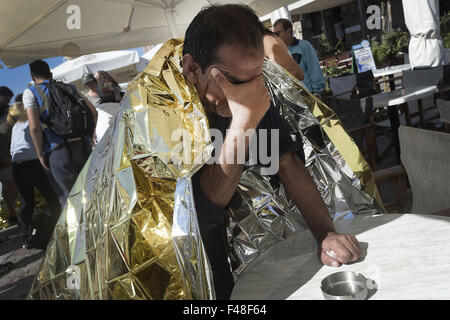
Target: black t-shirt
[209, 214]
[212, 217]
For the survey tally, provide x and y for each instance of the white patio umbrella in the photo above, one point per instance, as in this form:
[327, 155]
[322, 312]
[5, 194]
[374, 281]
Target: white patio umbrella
[121, 65]
[36, 29]
[425, 45]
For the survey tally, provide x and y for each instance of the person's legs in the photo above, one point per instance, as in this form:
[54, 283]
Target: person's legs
[31, 175]
[21, 175]
[65, 165]
[215, 242]
[42, 183]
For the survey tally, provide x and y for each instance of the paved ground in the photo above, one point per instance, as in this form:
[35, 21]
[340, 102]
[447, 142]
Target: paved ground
[16, 284]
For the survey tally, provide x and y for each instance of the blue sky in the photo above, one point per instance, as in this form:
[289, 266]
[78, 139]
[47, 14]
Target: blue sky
[18, 78]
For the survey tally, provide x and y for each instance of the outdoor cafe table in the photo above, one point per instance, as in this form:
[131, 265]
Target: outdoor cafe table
[388, 72]
[407, 255]
[400, 98]
[391, 70]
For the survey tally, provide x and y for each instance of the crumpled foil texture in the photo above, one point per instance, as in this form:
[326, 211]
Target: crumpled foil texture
[129, 229]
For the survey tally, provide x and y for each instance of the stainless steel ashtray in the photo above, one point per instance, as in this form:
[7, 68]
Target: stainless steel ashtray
[344, 285]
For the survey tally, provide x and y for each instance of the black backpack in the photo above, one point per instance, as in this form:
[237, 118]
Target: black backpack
[68, 114]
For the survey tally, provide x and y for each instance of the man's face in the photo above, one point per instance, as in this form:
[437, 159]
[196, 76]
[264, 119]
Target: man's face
[285, 35]
[238, 64]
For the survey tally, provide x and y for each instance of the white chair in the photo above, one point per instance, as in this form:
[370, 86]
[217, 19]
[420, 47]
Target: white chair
[342, 87]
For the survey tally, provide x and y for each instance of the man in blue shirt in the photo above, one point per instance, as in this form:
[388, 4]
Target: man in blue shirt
[304, 54]
[63, 159]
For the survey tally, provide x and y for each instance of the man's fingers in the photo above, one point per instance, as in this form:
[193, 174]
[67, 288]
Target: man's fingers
[44, 166]
[46, 169]
[343, 255]
[220, 79]
[356, 246]
[344, 251]
[328, 260]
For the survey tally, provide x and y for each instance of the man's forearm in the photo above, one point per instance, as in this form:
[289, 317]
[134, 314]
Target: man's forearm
[301, 188]
[36, 136]
[219, 181]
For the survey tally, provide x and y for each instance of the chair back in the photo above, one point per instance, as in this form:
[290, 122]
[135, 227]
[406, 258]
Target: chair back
[444, 110]
[343, 84]
[365, 84]
[426, 157]
[422, 77]
[353, 114]
[444, 85]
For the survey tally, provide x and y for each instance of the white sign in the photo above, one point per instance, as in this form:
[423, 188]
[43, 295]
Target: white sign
[364, 59]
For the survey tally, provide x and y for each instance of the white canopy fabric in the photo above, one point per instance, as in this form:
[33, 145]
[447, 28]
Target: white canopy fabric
[36, 29]
[281, 13]
[149, 54]
[425, 46]
[308, 6]
[120, 64]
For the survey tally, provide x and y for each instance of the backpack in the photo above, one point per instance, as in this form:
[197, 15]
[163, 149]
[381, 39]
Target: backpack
[68, 114]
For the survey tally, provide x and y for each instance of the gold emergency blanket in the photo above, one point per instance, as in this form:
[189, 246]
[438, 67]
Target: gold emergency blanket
[129, 229]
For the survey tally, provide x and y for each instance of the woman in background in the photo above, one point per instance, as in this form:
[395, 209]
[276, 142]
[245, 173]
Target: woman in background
[28, 174]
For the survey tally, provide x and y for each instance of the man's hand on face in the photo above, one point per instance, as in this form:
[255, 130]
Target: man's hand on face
[341, 248]
[248, 102]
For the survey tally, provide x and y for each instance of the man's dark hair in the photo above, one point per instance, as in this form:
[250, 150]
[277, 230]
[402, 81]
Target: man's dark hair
[40, 69]
[6, 92]
[217, 25]
[286, 24]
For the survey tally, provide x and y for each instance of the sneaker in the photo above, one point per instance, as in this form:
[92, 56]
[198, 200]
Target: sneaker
[27, 236]
[25, 244]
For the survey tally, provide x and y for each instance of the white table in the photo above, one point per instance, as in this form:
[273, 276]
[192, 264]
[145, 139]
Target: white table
[388, 71]
[400, 96]
[408, 256]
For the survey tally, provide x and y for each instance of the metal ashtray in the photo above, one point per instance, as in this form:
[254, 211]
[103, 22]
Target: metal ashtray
[344, 285]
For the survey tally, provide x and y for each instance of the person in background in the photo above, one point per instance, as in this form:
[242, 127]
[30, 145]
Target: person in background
[9, 191]
[107, 87]
[5, 97]
[90, 83]
[304, 54]
[29, 174]
[277, 51]
[62, 159]
[18, 98]
[110, 97]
